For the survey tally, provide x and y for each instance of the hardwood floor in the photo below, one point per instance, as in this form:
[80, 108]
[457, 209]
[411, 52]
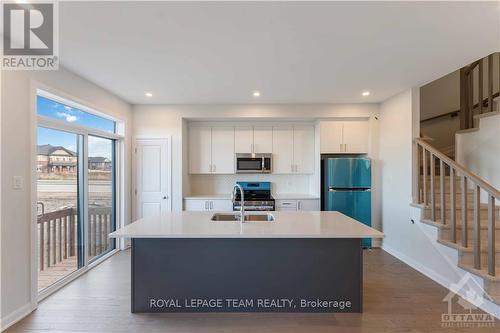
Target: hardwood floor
[397, 299]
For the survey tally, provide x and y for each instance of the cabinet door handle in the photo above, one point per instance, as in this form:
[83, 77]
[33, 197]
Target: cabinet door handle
[299, 205]
[211, 205]
[206, 205]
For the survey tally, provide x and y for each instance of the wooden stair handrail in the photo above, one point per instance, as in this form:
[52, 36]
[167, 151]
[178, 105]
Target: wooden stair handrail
[458, 167]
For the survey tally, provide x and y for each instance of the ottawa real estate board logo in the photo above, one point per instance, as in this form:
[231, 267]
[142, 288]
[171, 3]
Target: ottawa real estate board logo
[30, 36]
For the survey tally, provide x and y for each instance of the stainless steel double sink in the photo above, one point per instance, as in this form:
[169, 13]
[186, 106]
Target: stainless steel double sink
[248, 218]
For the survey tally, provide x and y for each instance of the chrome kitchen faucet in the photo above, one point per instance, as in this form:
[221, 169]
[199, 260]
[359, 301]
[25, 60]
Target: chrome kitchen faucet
[242, 205]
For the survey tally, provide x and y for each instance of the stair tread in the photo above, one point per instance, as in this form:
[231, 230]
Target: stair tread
[458, 225]
[458, 246]
[483, 272]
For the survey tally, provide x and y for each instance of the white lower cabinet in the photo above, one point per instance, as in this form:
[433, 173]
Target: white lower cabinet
[208, 205]
[295, 205]
[308, 204]
[286, 204]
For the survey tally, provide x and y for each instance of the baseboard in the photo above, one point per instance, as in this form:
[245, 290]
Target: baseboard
[16, 316]
[436, 277]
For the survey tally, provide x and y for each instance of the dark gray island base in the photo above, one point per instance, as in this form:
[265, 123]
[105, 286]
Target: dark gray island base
[247, 275]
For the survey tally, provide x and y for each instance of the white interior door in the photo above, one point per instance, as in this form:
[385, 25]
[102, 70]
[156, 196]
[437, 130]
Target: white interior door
[153, 177]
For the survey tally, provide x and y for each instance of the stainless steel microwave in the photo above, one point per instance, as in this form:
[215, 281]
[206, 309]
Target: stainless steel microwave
[254, 163]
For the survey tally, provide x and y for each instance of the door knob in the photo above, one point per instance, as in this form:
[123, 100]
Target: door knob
[165, 197]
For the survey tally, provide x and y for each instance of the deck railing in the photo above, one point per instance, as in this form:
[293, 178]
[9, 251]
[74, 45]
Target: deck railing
[58, 234]
[429, 159]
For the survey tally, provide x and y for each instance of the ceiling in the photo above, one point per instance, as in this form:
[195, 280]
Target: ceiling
[292, 52]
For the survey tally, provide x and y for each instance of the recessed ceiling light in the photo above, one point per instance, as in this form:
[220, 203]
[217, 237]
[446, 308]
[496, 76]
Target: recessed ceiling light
[365, 93]
[256, 94]
[148, 94]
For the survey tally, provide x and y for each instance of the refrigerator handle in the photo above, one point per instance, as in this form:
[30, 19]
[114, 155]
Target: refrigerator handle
[331, 189]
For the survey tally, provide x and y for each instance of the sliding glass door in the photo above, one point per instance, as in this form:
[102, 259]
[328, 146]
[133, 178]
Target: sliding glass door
[101, 196]
[59, 227]
[76, 188]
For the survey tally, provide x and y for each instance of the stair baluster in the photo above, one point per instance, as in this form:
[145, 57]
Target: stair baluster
[477, 229]
[491, 235]
[452, 206]
[433, 201]
[464, 212]
[441, 192]
[478, 186]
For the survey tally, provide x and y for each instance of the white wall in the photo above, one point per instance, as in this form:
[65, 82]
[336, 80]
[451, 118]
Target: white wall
[17, 125]
[479, 151]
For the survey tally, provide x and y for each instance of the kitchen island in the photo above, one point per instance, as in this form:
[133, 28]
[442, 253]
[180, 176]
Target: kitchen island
[299, 262]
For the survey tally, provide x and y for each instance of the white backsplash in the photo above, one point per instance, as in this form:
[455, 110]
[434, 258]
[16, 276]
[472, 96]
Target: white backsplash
[222, 184]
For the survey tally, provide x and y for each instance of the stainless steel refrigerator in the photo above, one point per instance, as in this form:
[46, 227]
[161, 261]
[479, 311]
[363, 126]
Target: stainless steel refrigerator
[346, 187]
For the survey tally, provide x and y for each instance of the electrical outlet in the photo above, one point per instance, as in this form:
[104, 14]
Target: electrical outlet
[17, 182]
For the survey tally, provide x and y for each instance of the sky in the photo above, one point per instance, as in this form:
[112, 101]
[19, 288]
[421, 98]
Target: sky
[52, 109]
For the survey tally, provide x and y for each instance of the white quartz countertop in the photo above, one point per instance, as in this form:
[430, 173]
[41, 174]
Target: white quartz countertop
[294, 196]
[209, 197]
[287, 224]
[277, 196]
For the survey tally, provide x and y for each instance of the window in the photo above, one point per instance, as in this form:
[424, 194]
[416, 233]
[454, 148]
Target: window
[50, 108]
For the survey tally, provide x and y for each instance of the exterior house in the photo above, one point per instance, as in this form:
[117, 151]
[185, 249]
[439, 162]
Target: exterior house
[99, 163]
[55, 159]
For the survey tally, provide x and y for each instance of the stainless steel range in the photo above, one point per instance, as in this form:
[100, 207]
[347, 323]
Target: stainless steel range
[257, 197]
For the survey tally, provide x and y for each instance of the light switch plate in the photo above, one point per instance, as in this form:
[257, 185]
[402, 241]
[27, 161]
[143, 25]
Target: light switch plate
[17, 182]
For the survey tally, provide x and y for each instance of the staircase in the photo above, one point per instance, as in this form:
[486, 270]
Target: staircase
[466, 211]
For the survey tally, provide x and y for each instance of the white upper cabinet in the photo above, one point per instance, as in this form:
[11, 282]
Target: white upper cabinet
[243, 139]
[256, 139]
[356, 136]
[344, 136]
[293, 149]
[331, 136]
[211, 150]
[283, 149]
[200, 149]
[223, 150]
[303, 149]
[263, 139]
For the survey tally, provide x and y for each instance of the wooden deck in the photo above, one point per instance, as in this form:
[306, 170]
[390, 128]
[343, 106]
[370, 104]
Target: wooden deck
[53, 273]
